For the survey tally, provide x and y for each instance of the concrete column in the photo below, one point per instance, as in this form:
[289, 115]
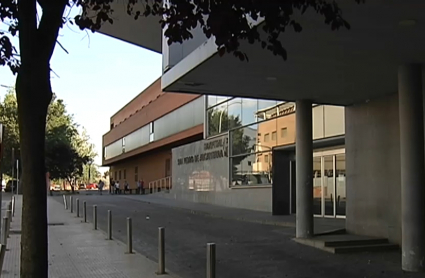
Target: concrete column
[412, 167]
[304, 169]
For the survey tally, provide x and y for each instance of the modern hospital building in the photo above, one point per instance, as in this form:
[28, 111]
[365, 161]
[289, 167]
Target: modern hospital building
[336, 131]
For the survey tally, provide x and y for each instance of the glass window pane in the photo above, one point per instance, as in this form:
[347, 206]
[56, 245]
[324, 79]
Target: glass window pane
[217, 120]
[243, 140]
[341, 200]
[249, 110]
[266, 109]
[267, 135]
[317, 185]
[285, 108]
[253, 169]
[328, 185]
[220, 99]
[234, 112]
[214, 100]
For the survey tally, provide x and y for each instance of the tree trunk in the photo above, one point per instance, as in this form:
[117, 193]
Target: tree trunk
[33, 95]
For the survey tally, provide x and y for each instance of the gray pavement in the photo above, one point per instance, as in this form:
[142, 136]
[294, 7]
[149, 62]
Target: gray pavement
[76, 250]
[322, 225]
[11, 265]
[244, 249]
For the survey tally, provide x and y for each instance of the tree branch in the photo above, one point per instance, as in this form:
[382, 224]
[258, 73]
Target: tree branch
[48, 30]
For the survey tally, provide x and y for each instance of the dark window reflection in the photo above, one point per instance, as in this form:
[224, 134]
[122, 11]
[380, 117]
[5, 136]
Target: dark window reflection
[253, 169]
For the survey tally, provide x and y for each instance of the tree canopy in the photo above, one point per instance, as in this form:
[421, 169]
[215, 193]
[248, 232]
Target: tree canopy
[67, 151]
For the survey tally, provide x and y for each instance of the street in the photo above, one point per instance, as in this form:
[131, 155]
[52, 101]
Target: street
[243, 249]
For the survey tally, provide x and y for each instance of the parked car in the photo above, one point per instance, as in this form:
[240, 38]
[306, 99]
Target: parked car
[91, 186]
[82, 186]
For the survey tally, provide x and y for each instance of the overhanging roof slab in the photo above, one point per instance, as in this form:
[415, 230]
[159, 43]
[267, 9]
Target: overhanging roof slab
[332, 67]
[145, 31]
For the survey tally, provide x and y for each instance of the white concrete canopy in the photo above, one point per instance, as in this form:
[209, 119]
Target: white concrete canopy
[145, 31]
[332, 67]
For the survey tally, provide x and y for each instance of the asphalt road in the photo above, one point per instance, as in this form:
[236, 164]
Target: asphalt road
[243, 249]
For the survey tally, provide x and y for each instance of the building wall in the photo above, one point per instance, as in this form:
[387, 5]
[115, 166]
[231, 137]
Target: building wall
[140, 101]
[156, 109]
[328, 121]
[207, 181]
[373, 169]
[150, 167]
[174, 53]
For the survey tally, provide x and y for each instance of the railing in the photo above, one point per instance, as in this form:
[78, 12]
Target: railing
[163, 184]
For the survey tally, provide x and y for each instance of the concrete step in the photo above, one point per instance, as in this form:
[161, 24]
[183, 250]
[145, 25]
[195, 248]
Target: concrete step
[347, 243]
[355, 242]
[365, 248]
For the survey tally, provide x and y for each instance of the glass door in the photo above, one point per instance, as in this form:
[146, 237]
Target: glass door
[329, 183]
[328, 186]
[341, 197]
[317, 185]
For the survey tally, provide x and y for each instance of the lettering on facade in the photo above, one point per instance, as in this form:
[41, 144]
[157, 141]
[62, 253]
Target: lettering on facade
[212, 149]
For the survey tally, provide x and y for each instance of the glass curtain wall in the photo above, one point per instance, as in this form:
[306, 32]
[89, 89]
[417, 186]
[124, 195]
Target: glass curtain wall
[255, 126]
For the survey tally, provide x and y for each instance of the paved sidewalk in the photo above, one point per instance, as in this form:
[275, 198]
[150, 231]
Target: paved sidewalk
[11, 265]
[322, 225]
[76, 250]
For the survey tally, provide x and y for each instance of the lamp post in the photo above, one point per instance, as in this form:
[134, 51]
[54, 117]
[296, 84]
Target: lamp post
[89, 174]
[13, 168]
[17, 176]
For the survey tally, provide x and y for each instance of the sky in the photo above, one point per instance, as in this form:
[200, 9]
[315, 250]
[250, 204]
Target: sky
[98, 77]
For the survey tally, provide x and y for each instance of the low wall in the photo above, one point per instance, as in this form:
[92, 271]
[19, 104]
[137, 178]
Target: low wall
[201, 174]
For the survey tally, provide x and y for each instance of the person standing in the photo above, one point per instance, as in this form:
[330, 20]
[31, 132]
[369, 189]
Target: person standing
[117, 187]
[126, 187]
[111, 186]
[138, 187]
[142, 186]
[100, 186]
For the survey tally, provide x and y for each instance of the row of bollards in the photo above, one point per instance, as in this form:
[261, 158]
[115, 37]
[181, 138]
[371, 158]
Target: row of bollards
[5, 230]
[211, 254]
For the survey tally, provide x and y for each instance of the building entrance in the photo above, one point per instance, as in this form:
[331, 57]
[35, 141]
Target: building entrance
[329, 179]
[329, 183]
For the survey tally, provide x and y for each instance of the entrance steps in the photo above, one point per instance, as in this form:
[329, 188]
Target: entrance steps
[346, 243]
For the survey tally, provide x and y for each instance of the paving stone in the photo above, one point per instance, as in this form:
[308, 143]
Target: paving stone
[76, 250]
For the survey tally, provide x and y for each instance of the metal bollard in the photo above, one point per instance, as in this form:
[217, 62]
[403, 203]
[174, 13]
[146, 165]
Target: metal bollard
[71, 204]
[2, 255]
[13, 205]
[9, 218]
[77, 207]
[4, 231]
[161, 251]
[64, 202]
[129, 236]
[210, 260]
[85, 211]
[10, 209]
[109, 224]
[95, 217]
